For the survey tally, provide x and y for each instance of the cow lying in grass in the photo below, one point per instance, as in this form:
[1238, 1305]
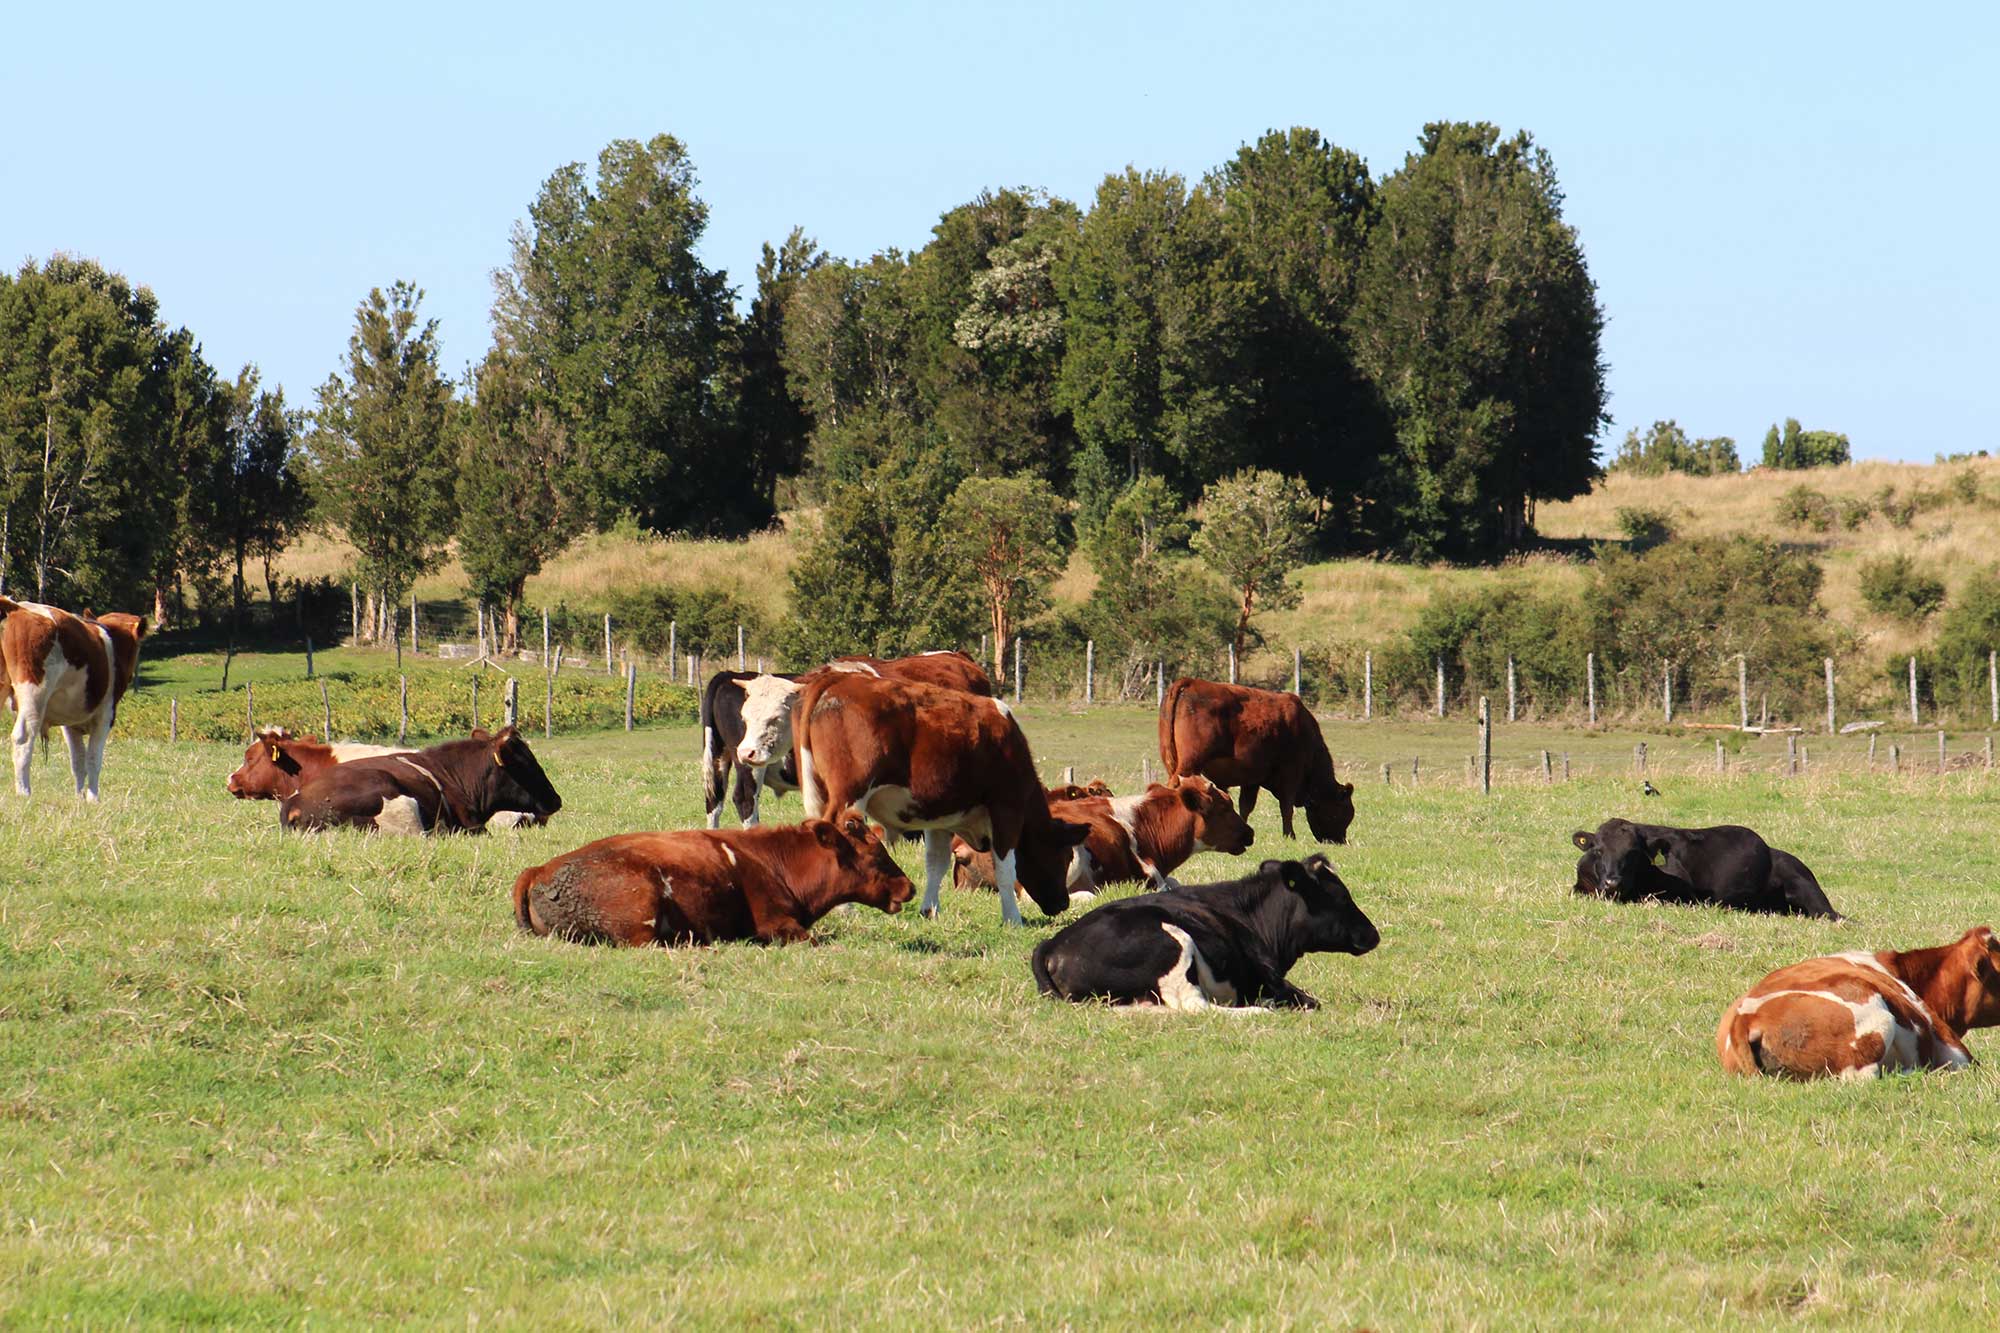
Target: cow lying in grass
[701, 886]
[1205, 945]
[1857, 1015]
[277, 763]
[454, 787]
[1077, 791]
[1727, 866]
[1132, 838]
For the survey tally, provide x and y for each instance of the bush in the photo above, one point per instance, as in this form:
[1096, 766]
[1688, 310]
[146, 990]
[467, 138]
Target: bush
[1645, 527]
[701, 620]
[1964, 486]
[1853, 513]
[1968, 631]
[1802, 506]
[1896, 586]
[1474, 633]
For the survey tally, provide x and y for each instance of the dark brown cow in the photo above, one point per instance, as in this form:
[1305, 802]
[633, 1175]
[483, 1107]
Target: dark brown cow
[1236, 736]
[1134, 838]
[701, 886]
[1858, 1015]
[914, 756]
[455, 787]
[278, 763]
[1077, 791]
[66, 671]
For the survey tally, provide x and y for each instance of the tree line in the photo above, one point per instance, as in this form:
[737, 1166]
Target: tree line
[1406, 364]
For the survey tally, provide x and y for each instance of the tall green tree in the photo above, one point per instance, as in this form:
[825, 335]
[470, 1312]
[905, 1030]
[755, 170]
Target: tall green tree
[252, 500]
[626, 333]
[1798, 448]
[1008, 534]
[1477, 320]
[384, 469]
[1665, 447]
[198, 405]
[848, 363]
[1256, 529]
[773, 425]
[1152, 600]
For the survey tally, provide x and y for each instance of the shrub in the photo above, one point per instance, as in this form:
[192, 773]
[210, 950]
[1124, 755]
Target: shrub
[701, 620]
[1895, 586]
[1802, 506]
[1968, 631]
[1964, 486]
[1645, 527]
[1853, 513]
[1474, 633]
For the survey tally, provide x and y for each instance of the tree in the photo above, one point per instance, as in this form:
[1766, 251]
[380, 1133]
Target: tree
[625, 334]
[383, 464]
[1008, 533]
[1665, 447]
[520, 497]
[1477, 321]
[1152, 598]
[1798, 448]
[251, 499]
[198, 405]
[847, 362]
[1255, 530]
[773, 425]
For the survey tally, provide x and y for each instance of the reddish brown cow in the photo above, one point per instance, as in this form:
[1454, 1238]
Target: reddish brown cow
[1236, 736]
[947, 669]
[914, 756]
[66, 671]
[700, 886]
[1135, 838]
[1858, 1015]
[1077, 791]
[278, 763]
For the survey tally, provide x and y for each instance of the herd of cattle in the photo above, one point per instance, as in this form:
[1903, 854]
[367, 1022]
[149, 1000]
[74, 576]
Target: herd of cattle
[922, 746]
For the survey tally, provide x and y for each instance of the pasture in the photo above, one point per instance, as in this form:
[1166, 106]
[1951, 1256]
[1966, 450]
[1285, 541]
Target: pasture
[256, 1079]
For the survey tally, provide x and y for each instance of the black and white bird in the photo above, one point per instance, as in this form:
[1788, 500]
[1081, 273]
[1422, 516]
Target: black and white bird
[1646, 786]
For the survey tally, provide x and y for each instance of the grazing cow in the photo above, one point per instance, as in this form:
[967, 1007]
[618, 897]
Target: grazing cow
[1132, 838]
[1227, 944]
[1858, 1015]
[66, 671]
[1728, 866]
[701, 886]
[277, 763]
[915, 756]
[456, 787]
[1236, 736]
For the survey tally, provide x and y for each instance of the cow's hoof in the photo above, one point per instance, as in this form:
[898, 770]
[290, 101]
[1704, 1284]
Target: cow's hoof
[928, 913]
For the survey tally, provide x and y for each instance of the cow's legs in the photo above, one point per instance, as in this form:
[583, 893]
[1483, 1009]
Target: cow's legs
[937, 859]
[27, 726]
[1249, 801]
[1285, 816]
[1003, 879]
[78, 741]
[744, 793]
[756, 795]
[100, 732]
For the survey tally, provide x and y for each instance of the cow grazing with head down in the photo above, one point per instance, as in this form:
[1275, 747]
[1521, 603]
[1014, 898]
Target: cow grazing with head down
[1725, 866]
[703, 886]
[1132, 839]
[1207, 945]
[1236, 736]
[920, 757]
[277, 763]
[454, 787]
[1858, 1015]
[66, 671]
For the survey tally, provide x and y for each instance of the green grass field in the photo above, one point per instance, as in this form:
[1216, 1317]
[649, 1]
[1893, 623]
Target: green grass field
[255, 1079]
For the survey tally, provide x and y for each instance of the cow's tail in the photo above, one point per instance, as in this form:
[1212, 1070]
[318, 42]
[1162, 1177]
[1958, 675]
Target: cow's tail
[1739, 1041]
[808, 785]
[714, 777]
[1038, 961]
[1170, 753]
[524, 888]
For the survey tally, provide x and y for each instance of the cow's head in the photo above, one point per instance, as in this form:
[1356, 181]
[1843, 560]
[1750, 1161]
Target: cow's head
[1615, 858]
[767, 720]
[1075, 791]
[1977, 955]
[1330, 809]
[518, 782]
[865, 872]
[1217, 826]
[1041, 862]
[1333, 924]
[267, 772]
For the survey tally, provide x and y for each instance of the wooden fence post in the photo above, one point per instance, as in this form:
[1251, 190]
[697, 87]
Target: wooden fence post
[403, 697]
[354, 612]
[741, 662]
[1385, 774]
[1831, 730]
[1017, 669]
[1415, 769]
[174, 718]
[513, 702]
[1913, 691]
[416, 646]
[1989, 751]
[1590, 684]
[1298, 672]
[479, 626]
[1895, 758]
[549, 704]
[1511, 713]
[250, 708]
[1639, 758]
[1145, 772]
[1791, 755]
[631, 688]
[1159, 683]
[1943, 764]
[1090, 671]
[1742, 694]
[1667, 691]
[1993, 683]
[545, 638]
[326, 714]
[1232, 661]
[1871, 749]
[1440, 687]
[309, 657]
[673, 648]
[1548, 770]
[1720, 763]
[1069, 774]
[607, 644]
[1485, 747]
[1565, 765]
[475, 703]
[1367, 685]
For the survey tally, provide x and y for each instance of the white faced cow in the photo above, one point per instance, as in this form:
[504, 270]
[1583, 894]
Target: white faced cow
[66, 671]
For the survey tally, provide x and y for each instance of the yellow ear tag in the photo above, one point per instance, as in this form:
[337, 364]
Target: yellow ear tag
[496, 760]
[274, 754]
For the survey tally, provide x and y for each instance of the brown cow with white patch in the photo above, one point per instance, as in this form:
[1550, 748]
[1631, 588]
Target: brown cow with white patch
[1077, 791]
[1858, 1015]
[66, 671]
[914, 756]
[1236, 736]
[1135, 838]
[277, 763]
[705, 885]
[458, 786]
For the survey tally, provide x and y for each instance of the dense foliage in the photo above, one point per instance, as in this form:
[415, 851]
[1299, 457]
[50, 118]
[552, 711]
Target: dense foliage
[1895, 585]
[1796, 448]
[1665, 447]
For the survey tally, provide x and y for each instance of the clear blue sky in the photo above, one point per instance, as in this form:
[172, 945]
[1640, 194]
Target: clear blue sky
[1789, 210]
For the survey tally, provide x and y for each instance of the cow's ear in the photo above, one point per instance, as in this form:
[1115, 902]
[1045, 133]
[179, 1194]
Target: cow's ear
[1297, 878]
[1587, 841]
[277, 751]
[824, 833]
[1190, 798]
[1071, 835]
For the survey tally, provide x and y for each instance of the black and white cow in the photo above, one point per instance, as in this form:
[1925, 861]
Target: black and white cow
[1206, 945]
[736, 763]
[1727, 866]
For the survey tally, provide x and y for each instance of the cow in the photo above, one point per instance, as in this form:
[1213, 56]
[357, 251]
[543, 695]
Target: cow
[1227, 945]
[1727, 866]
[913, 756]
[1860, 1015]
[1077, 791]
[746, 723]
[1236, 736]
[1134, 838]
[66, 671]
[277, 763]
[454, 787]
[701, 886]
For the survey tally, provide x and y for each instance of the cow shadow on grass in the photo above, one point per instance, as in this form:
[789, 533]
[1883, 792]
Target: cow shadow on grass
[923, 944]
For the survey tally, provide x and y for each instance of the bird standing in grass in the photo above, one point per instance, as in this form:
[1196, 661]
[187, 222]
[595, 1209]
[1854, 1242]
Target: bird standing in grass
[1646, 786]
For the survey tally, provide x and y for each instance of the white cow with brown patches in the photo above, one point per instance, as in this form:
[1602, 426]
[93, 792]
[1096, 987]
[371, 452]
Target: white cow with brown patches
[67, 671]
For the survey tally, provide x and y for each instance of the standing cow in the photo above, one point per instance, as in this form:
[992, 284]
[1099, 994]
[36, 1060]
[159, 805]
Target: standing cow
[66, 671]
[1236, 736]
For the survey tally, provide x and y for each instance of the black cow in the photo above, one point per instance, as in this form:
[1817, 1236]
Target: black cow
[725, 770]
[456, 786]
[1227, 944]
[1727, 866]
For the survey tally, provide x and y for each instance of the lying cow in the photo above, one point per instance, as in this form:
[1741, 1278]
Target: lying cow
[66, 671]
[1857, 1015]
[277, 763]
[701, 886]
[1236, 736]
[1727, 866]
[1077, 791]
[1227, 944]
[1133, 838]
[454, 787]
[913, 756]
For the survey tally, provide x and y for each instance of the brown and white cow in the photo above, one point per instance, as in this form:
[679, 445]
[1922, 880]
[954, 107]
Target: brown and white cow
[1077, 791]
[1236, 736]
[66, 671]
[702, 885]
[1132, 839]
[277, 763]
[454, 787]
[914, 756]
[1857, 1015]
